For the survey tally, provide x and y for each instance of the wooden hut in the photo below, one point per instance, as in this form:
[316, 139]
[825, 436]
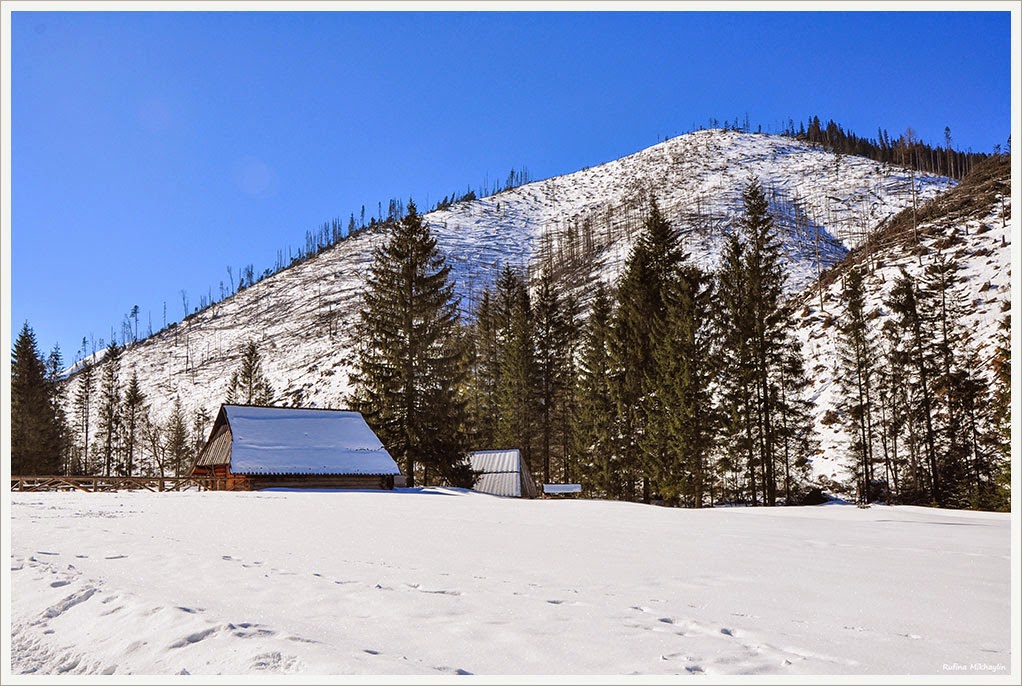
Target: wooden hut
[273, 447]
[502, 472]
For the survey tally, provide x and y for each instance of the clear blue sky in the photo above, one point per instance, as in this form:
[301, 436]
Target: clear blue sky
[150, 150]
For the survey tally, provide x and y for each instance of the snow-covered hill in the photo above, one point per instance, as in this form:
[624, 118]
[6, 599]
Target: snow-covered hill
[442, 582]
[972, 226]
[302, 318]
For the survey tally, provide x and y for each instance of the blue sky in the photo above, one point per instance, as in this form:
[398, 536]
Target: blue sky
[150, 149]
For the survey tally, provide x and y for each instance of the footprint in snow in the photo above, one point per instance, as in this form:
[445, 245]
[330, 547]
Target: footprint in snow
[115, 557]
[58, 584]
[192, 638]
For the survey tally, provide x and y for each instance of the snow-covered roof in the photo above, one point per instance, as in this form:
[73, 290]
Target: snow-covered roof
[277, 440]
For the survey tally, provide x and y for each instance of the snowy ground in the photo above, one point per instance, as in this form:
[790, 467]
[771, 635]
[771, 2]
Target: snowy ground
[441, 582]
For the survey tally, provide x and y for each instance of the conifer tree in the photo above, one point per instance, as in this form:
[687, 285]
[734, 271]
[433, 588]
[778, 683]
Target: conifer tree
[954, 386]
[641, 308]
[551, 359]
[765, 281]
[516, 387]
[568, 403]
[110, 408]
[912, 335]
[83, 412]
[757, 355]
[54, 367]
[796, 436]
[134, 419]
[678, 408]
[485, 373]
[998, 438]
[892, 406]
[855, 377]
[179, 447]
[410, 369]
[736, 370]
[593, 426]
[249, 385]
[35, 434]
[200, 426]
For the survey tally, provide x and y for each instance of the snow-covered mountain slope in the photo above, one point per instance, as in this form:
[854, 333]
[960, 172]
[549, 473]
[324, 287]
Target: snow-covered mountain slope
[374, 583]
[302, 318]
[970, 224]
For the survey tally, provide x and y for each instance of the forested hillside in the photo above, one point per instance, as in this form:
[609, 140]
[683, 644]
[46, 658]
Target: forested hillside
[661, 327]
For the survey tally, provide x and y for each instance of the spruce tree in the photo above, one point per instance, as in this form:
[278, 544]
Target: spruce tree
[594, 422]
[736, 372]
[642, 293]
[855, 378]
[998, 438]
[83, 403]
[678, 407]
[54, 367]
[249, 385]
[756, 354]
[568, 403]
[35, 434]
[551, 359]
[484, 375]
[517, 409]
[110, 408]
[796, 435]
[912, 348]
[134, 419]
[765, 282]
[179, 447]
[410, 370]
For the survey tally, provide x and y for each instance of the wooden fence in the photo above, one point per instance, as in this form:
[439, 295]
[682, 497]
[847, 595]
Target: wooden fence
[155, 484]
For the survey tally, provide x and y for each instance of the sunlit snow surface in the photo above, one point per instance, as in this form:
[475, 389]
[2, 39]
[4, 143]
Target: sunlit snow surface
[438, 582]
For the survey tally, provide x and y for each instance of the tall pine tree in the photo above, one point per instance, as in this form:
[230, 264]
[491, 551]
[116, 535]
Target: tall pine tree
[641, 308]
[411, 369]
[249, 385]
[678, 405]
[134, 420]
[594, 420]
[35, 433]
[517, 409]
[110, 409]
[856, 360]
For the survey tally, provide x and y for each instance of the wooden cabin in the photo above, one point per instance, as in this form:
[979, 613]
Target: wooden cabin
[502, 472]
[284, 447]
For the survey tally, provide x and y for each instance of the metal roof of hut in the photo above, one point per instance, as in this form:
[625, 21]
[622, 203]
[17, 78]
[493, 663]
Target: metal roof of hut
[503, 472]
[252, 440]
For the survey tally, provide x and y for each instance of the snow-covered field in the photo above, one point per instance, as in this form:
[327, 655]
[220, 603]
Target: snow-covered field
[435, 582]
